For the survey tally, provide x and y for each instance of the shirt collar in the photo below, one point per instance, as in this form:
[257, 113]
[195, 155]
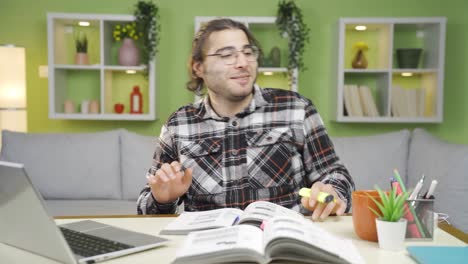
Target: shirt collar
[259, 99]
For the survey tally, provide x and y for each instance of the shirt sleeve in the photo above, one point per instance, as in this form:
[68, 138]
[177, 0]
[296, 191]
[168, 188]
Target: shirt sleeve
[164, 153]
[321, 162]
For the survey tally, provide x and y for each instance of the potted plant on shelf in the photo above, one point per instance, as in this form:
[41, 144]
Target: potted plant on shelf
[290, 24]
[129, 54]
[81, 44]
[391, 226]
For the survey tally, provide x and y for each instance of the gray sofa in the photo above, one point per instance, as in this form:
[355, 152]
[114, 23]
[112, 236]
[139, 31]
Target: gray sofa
[85, 173]
[102, 173]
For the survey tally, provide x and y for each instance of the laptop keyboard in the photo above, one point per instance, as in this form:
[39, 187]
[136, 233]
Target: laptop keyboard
[88, 245]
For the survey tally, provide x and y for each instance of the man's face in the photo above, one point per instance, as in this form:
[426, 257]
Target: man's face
[233, 82]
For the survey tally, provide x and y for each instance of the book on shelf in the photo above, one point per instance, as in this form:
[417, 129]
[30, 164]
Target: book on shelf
[347, 100]
[355, 100]
[408, 102]
[367, 101]
[254, 214]
[359, 101]
[283, 240]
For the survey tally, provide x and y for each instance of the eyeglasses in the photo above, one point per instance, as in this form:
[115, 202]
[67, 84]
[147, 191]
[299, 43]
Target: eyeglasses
[229, 54]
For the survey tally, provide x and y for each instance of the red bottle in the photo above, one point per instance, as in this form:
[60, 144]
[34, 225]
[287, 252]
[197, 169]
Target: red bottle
[136, 101]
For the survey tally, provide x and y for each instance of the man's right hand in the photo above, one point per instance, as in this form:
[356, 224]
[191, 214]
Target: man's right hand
[170, 182]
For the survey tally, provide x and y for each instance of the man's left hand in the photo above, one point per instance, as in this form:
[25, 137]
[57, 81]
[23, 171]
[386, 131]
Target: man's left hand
[323, 210]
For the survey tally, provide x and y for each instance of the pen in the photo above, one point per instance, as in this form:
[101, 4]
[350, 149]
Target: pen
[398, 177]
[322, 197]
[432, 187]
[417, 189]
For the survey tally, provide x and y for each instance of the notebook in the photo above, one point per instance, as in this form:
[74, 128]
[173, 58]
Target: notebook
[25, 224]
[439, 254]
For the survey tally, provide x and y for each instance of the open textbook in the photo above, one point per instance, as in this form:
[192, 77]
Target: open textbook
[283, 240]
[253, 214]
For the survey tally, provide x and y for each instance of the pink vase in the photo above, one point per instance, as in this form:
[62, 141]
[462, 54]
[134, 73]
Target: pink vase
[129, 55]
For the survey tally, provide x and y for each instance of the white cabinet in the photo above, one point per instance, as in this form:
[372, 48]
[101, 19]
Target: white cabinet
[401, 93]
[102, 81]
[266, 32]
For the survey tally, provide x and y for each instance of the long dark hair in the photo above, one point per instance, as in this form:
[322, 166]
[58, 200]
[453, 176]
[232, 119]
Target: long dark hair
[195, 84]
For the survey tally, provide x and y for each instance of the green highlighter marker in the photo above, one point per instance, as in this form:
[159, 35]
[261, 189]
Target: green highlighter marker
[322, 197]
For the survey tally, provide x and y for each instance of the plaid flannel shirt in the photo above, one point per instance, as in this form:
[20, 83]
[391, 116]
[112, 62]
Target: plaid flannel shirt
[276, 146]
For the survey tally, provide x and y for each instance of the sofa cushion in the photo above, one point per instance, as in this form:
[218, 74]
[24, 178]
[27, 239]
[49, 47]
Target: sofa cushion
[448, 164]
[90, 207]
[137, 156]
[371, 159]
[68, 166]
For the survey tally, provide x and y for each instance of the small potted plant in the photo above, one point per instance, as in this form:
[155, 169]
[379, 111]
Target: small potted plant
[81, 44]
[391, 226]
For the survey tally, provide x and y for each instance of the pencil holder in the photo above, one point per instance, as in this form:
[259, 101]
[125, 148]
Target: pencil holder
[420, 216]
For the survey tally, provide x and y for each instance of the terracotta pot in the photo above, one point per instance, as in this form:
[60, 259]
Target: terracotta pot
[363, 218]
[81, 58]
[129, 54]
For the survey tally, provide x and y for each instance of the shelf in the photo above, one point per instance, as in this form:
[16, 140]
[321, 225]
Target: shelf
[105, 116]
[272, 69]
[103, 81]
[383, 92]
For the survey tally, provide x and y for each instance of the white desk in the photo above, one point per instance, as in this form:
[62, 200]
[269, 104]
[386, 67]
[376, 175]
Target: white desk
[341, 226]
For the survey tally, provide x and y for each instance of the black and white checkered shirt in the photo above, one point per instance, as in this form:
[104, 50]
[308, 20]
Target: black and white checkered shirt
[276, 146]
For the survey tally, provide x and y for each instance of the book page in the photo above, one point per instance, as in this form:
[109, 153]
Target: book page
[191, 221]
[258, 211]
[241, 243]
[283, 234]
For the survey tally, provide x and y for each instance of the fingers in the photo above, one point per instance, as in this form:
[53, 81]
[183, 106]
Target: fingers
[169, 172]
[187, 178]
[314, 191]
[318, 211]
[341, 207]
[323, 210]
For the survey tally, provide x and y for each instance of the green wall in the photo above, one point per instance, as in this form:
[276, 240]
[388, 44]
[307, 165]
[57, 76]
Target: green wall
[23, 22]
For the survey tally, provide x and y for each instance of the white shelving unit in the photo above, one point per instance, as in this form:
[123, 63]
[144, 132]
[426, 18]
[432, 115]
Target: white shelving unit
[103, 79]
[265, 30]
[413, 99]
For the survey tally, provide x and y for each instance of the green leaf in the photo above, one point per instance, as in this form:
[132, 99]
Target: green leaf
[392, 206]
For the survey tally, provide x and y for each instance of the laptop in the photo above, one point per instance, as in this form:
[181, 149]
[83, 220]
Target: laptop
[25, 224]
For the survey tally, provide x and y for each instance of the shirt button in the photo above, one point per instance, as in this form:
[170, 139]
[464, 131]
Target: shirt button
[234, 123]
[235, 152]
[269, 138]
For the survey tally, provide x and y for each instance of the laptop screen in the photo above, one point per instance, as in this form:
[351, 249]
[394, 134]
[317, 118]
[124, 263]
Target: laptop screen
[24, 222]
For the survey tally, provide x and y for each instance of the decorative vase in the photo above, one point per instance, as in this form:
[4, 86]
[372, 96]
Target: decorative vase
[94, 107]
[81, 58]
[391, 234]
[129, 54]
[68, 107]
[359, 61]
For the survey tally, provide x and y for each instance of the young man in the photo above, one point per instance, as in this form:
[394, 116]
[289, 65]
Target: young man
[241, 143]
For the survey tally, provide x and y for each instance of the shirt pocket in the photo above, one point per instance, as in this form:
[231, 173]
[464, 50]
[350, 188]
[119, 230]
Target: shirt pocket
[205, 157]
[272, 158]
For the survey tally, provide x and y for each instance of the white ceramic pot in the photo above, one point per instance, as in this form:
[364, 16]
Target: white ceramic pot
[391, 235]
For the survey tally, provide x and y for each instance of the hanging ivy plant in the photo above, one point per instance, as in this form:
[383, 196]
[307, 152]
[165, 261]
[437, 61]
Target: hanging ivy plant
[147, 19]
[290, 24]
